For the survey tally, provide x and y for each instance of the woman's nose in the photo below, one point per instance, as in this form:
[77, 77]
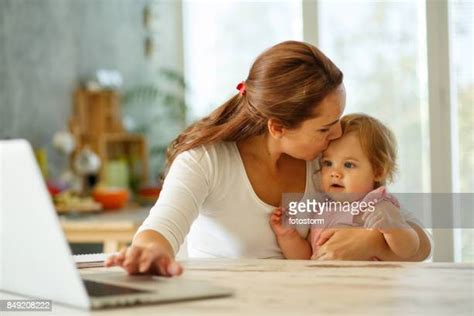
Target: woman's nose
[336, 131]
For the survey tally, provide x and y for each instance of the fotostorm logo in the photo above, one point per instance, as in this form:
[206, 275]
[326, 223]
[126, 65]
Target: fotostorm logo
[306, 221]
[327, 206]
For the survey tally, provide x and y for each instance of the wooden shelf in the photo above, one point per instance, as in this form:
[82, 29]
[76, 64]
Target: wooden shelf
[97, 123]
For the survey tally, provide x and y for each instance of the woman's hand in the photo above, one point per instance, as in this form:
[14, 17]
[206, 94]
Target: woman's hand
[278, 228]
[350, 244]
[152, 259]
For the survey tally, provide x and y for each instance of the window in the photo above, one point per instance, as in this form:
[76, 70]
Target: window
[379, 45]
[461, 23]
[222, 39]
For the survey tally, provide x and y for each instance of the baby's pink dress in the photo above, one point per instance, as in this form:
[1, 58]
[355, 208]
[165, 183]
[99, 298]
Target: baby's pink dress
[346, 219]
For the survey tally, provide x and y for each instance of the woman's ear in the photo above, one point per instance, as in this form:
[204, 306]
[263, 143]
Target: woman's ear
[275, 128]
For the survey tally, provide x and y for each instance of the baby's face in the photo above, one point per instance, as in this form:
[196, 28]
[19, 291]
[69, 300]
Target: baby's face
[346, 169]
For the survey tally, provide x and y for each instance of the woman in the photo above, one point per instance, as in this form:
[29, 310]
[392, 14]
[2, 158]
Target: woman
[228, 171]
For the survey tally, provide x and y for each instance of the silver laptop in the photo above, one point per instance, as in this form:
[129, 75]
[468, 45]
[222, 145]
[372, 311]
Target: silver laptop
[35, 257]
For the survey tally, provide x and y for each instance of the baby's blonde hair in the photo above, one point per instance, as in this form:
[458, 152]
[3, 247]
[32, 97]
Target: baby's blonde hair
[377, 142]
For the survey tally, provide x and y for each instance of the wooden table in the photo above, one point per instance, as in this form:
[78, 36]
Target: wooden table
[112, 229]
[290, 287]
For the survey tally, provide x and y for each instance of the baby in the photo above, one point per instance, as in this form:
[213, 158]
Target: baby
[355, 168]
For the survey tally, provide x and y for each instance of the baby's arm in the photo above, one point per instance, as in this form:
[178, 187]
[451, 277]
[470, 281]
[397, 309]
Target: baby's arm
[402, 239]
[404, 242]
[291, 243]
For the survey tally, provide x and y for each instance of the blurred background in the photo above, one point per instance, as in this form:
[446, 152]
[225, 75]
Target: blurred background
[101, 87]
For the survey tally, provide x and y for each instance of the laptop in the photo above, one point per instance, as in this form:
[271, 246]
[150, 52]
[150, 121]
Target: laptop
[36, 260]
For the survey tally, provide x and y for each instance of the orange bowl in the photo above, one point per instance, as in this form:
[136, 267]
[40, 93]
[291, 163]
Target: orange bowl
[148, 195]
[111, 198]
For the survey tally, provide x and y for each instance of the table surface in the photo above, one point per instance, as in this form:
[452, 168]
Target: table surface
[304, 287]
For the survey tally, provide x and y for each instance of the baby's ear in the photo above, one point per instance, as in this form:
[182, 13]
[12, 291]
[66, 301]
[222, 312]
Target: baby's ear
[380, 175]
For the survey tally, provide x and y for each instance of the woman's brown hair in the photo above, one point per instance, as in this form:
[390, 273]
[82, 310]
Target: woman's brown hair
[286, 83]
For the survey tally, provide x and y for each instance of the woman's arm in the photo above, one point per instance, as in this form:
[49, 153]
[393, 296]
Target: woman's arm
[185, 188]
[158, 239]
[365, 244]
[150, 253]
[148, 238]
[351, 244]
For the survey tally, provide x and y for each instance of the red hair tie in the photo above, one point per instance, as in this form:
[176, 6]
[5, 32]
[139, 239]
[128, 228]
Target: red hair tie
[241, 88]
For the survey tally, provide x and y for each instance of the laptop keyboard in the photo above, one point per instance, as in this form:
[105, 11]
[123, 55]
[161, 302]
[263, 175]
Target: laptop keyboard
[98, 289]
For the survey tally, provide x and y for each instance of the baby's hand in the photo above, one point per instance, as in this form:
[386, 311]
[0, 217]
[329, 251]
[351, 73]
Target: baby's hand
[277, 226]
[385, 218]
